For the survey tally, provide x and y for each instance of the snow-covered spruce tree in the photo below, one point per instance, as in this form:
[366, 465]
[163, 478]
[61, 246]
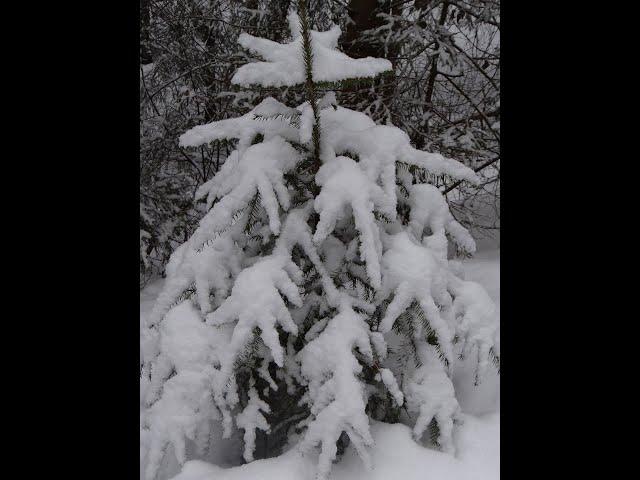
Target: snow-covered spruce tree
[317, 292]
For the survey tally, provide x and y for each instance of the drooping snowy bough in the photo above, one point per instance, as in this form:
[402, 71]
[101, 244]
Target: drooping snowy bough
[276, 315]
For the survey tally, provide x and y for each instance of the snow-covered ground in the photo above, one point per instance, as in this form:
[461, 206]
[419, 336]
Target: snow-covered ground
[483, 268]
[396, 454]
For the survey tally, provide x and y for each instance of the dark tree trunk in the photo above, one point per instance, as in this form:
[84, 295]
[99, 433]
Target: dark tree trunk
[145, 22]
[434, 60]
[364, 16]
[431, 81]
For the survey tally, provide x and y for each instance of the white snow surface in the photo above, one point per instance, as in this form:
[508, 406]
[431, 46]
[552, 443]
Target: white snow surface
[483, 268]
[430, 209]
[284, 66]
[256, 302]
[246, 127]
[336, 397]
[379, 147]
[259, 169]
[395, 453]
[344, 184]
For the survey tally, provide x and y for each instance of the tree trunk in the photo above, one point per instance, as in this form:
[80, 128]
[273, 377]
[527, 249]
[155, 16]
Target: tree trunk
[431, 81]
[364, 16]
[145, 22]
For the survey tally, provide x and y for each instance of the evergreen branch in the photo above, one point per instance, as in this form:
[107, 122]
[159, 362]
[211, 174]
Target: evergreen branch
[185, 295]
[249, 356]
[292, 118]
[481, 167]
[356, 282]
[234, 219]
[381, 217]
[254, 209]
[404, 324]
[354, 84]
[495, 359]
[422, 175]
[307, 54]
[434, 431]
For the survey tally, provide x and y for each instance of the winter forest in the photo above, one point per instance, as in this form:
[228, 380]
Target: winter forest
[319, 239]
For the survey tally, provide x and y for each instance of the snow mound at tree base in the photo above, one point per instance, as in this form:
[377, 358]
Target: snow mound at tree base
[394, 455]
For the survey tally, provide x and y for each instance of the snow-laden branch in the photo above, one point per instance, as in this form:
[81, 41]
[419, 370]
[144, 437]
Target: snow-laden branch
[260, 169]
[284, 65]
[255, 301]
[336, 395]
[430, 394]
[268, 119]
